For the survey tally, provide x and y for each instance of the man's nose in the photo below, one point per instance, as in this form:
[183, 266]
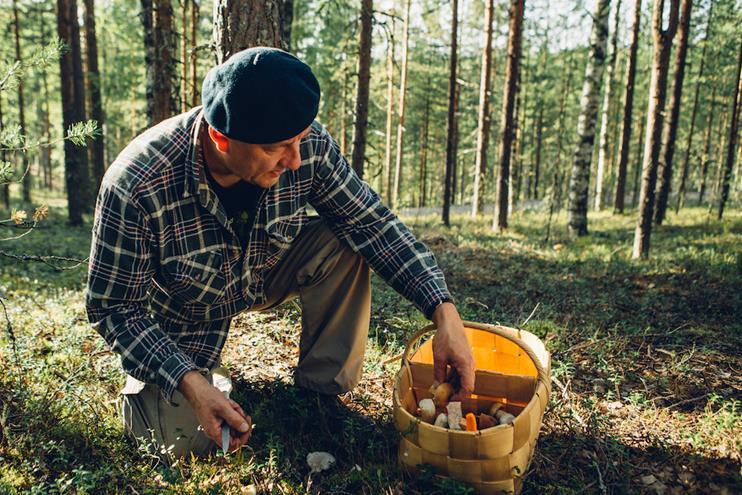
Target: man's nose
[292, 159]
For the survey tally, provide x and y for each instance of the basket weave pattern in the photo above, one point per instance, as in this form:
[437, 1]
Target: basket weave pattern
[512, 368]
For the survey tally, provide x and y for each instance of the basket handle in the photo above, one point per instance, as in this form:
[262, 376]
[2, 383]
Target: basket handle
[504, 332]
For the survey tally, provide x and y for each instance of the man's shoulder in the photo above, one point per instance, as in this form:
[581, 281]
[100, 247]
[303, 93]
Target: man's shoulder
[154, 158]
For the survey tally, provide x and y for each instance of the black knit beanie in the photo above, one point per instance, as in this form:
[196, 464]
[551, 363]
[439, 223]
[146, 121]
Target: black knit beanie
[260, 95]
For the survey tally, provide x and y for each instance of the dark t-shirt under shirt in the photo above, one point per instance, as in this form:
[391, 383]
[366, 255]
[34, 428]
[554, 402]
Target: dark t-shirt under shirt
[240, 201]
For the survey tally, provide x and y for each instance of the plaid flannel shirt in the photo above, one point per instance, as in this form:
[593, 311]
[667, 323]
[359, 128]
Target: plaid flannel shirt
[167, 272]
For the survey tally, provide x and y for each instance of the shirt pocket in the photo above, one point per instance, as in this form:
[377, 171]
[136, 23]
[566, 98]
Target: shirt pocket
[283, 231]
[197, 277]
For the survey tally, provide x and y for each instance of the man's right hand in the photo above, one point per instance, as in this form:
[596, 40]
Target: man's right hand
[212, 409]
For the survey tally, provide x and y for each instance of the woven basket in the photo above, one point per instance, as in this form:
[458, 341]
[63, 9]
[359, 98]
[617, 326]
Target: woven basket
[512, 368]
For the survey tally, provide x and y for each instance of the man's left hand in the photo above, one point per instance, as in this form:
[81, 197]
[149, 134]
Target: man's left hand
[450, 347]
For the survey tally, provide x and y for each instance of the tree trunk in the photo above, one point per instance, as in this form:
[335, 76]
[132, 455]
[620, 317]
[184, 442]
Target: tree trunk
[691, 132]
[344, 113]
[401, 107]
[517, 146]
[73, 110]
[25, 165]
[628, 107]
[194, 53]
[500, 221]
[424, 150]
[604, 141]
[454, 171]
[163, 36]
[537, 162]
[671, 124]
[94, 87]
[388, 192]
[451, 134]
[46, 151]
[287, 19]
[240, 24]
[638, 164]
[655, 111]
[183, 55]
[364, 76]
[731, 138]
[4, 158]
[483, 120]
[580, 178]
[706, 157]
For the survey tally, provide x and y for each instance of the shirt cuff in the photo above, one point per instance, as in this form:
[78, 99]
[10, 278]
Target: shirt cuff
[430, 295]
[171, 372]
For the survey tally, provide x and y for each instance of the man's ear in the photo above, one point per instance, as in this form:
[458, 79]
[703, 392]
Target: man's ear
[220, 140]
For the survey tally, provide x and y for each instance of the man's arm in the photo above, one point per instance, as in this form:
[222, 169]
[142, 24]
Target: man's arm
[120, 273]
[357, 215]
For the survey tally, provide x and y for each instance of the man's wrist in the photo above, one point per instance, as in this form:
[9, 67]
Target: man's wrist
[445, 311]
[190, 383]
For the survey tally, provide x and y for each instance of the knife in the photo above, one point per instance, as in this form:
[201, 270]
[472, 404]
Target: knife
[220, 379]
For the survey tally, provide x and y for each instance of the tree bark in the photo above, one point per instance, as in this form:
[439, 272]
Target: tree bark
[183, 55]
[580, 178]
[390, 196]
[364, 76]
[94, 87]
[401, 107]
[25, 165]
[671, 124]
[483, 118]
[73, 110]
[655, 111]
[194, 53]
[731, 137]
[517, 147]
[4, 158]
[603, 140]
[537, 162]
[691, 132]
[163, 65]
[638, 164]
[706, 157]
[46, 157]
[500, 221]
[287, 19]
[240, 24]
[451, 119]
[628, 107]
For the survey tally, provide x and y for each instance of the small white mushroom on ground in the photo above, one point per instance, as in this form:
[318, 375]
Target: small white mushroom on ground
[454, 415]
[319, 461]
[427, 410]
[505, 418]
[441, 420]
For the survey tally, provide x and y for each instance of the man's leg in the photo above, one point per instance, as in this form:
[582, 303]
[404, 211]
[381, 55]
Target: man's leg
[333, 284]
[168, 431]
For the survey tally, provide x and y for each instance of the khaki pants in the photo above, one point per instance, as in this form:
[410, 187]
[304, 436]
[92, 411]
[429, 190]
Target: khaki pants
[333, 286]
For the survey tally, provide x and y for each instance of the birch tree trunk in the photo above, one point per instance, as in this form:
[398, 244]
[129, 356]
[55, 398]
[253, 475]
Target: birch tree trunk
[731, 138]
[25, 165]
[691, 132]
[655, 111]
[628, 107]
[76, 175]
[671, 124]
[401, 108]
[604, 141]
[240, 24]
[500, 221]
[451, 119]
[364, 76]
[94, 88]
[483, 119]
[580, 178]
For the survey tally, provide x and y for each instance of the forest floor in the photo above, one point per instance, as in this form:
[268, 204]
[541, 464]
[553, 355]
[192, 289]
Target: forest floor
[646, 363]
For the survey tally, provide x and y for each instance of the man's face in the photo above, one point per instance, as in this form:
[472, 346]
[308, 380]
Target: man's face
[263, 164]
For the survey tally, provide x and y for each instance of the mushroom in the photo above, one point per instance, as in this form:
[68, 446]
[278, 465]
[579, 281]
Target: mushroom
[486, 421]
[442, 394]
[427, 410]
[441, 420]
[505, 418]
[454, 415]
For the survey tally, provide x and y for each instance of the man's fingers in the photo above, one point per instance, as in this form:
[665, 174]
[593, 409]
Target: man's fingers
[237, 408]
[235, 420]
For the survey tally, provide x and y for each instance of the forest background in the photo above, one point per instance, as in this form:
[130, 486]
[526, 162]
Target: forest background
[497, 170]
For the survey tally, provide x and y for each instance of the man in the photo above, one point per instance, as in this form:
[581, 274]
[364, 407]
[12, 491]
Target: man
[204, 216]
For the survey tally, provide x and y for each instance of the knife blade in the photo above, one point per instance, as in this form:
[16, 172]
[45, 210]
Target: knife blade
[225, 437]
